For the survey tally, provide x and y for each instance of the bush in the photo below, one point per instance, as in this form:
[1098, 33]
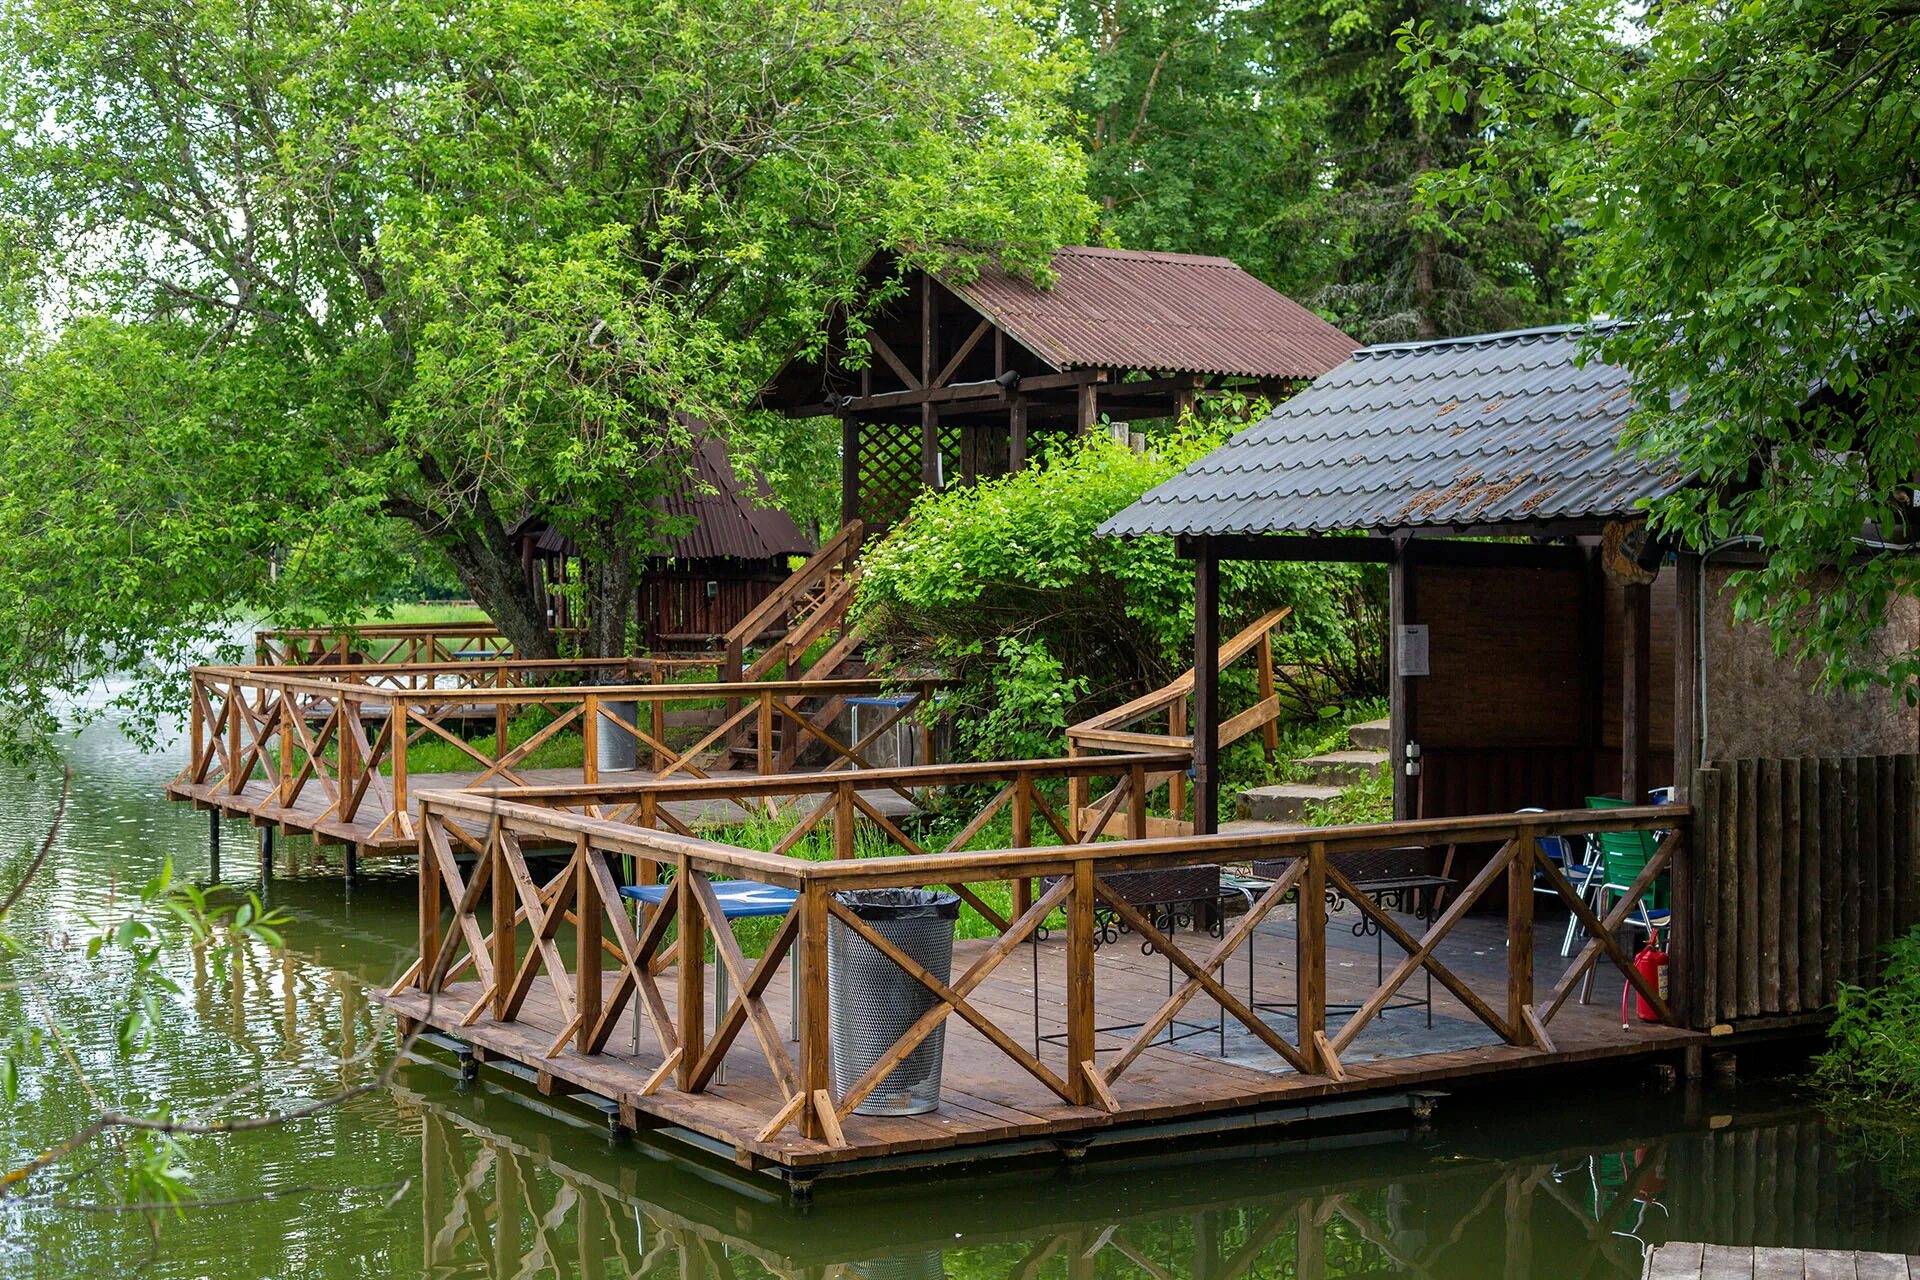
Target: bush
[1869, 1075]
[1004, 586]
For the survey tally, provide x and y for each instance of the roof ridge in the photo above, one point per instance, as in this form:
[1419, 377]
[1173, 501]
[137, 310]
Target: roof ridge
[1490, 339]
[1165, 255]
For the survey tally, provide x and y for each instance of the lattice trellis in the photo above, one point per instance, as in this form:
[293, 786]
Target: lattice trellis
[889, 472]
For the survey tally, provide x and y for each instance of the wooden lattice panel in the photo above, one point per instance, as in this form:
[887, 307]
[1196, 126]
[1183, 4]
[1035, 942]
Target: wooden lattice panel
[889, 472]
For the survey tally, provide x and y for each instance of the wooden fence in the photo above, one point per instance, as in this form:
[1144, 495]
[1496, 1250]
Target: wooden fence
[471, 919]
[337, 742]
[409, 642]
[1806, 869]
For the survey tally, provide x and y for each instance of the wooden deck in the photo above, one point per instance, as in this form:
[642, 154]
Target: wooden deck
[313, 814]
[1689, 1260]
[1215, 1070]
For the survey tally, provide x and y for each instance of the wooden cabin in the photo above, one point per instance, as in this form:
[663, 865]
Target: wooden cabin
[952, 378]
[1542, 650]
[732, 556]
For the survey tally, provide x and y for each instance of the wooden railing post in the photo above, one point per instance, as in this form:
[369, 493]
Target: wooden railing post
[347, 805]
[765, 730]
[402, 729]
[429, 905]
[499, 715]
[1270, 731]
[284, 714]
[589, 923]
[816, 1076]
[590, 739]
[1177, 784]
[844, 845]
[1310, 959]
[1022, 838]
[1520, 937]
[500, 889]
[1137, 802]
[658, 708]
[236, 703]
[1080, 986]
[1076, 792]
[691, 952]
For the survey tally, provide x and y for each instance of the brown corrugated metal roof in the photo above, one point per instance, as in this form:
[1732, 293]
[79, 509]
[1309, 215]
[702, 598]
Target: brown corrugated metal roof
[1159, 312]
[1505, 428]
[732, 521]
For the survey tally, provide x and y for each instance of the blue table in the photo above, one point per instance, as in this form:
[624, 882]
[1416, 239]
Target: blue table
[739, 900]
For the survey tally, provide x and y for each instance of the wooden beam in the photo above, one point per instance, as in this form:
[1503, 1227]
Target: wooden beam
[1374, 549]
[1634, 692]
[952, 366]
[893, 361]
[929, 446]
[1206, 690]
[1086, 408]
[1017, 434]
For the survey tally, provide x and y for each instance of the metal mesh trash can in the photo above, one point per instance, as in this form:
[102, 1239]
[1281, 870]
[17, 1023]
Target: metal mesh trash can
[618, 749]
[873, 1002]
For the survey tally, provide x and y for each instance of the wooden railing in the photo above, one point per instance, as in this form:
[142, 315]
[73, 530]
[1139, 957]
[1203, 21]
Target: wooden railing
[1159, 721]
[616, 964]
[411, 642]
[804, 609]
[337, 741]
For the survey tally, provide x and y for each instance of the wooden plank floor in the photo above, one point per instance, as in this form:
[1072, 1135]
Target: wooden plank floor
[986, 1098]
[1690, 1260]
[313, 811]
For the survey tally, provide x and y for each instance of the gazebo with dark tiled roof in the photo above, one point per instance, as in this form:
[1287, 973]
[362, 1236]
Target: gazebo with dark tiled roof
[972, 376]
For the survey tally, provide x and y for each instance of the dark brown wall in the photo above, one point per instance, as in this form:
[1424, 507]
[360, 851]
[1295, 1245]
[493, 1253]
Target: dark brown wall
[1504, 646]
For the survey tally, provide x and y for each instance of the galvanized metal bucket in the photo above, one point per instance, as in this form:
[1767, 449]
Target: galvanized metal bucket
[873, 1001]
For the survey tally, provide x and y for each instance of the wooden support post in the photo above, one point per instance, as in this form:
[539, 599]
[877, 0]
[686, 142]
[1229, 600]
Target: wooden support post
[236, 702]
[691, 954]
[400, 730]
[1080, 991]
[499, 715]
[657, 708]
[348, 767]
[1177, 784]
[849, 469]
[284, 712]
[1686, 670]
[1520, 933]
[1270, 731]
[1022, 838]
[816, 1075]
[765, 731]
[1310, 956]
[429, 917]
[589, 927]
[590, 739]
[1403, 690]
[1017, 434]
[1137, 802]
[1086, 407]
[844, 845]
[1634, 691]
[1206, 688]
[500, 888]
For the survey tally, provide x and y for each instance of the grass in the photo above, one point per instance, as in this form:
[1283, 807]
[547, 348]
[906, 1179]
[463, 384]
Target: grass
[427, 611]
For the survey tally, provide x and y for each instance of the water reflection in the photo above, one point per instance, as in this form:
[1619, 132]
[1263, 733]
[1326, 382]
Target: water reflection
[497, 1204]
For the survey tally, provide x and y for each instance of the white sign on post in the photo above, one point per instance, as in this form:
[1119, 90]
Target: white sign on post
[1410, 650]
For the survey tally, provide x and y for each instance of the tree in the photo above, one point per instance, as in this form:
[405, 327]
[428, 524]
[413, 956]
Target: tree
[1749, 184]
[1284, 135]
[306, 268]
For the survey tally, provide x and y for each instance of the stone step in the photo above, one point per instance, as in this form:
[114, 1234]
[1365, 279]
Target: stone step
[1282, 802]
[1254, 827]
[1343, 768]
[1371, 735]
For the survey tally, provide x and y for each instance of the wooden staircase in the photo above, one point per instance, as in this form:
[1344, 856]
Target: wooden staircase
[809, 607]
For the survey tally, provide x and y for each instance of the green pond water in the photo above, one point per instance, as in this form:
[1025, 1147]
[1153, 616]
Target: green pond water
[1567, 1178]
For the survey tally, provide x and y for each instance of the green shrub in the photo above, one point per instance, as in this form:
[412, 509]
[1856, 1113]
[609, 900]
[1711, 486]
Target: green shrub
[1869, 1074]
[1004, 586]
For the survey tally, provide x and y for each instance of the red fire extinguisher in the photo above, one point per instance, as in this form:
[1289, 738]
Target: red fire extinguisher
[1652, 964]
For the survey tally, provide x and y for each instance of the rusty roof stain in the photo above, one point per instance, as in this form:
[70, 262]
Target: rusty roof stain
[1495, 429]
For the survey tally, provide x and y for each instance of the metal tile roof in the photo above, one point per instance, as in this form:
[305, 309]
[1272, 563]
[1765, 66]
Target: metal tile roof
[1493, 429]
[1159, 312]
[734, 521]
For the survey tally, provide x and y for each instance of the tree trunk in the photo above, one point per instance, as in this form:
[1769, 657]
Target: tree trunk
[490, 571]
[608, 579]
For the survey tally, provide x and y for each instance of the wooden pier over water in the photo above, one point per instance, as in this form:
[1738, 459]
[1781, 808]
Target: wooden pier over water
[1687, 1260]
[1078, 1017]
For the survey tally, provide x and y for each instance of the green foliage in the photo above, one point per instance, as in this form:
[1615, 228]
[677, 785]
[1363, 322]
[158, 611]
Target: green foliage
[1745, 181]
[1869, 1074]
[438, 261]
[1004, 585]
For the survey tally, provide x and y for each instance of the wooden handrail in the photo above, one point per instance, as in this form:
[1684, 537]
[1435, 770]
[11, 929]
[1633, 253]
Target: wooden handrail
[837, 548]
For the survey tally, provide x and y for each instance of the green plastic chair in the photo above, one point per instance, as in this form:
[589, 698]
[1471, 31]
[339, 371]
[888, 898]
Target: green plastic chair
[1624, 855]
